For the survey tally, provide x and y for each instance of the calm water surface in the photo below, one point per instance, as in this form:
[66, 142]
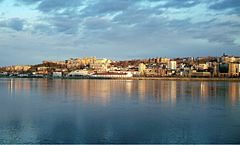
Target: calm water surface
[115, 111]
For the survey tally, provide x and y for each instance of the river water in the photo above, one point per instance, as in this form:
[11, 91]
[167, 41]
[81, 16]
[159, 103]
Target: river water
[119, 111]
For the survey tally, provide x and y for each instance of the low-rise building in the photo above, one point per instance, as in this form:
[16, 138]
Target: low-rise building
[57, 74]
[78, 73]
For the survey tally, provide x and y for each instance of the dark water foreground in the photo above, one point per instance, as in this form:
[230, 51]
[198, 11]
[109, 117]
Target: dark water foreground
[119, 111]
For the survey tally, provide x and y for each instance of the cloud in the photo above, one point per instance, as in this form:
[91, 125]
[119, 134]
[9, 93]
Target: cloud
[107, 6]
[43, 28]
[181, 4]
[97, 23]
[29, 1]
[13, 23]
[121, 29]
[134, 16]
[233, 5]
[61, 24]
[52, 5]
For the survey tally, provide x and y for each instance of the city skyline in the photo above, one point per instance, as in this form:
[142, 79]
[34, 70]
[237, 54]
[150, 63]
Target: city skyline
[36, 30]
[122, 60]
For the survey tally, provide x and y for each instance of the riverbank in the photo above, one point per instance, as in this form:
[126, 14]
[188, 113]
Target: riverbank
[146, 78]
[183, 79]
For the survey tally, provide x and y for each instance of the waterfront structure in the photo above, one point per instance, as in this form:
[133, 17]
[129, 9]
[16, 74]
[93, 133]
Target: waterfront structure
[112, 75]
[78, 73]
[224, 66]
[57, 74]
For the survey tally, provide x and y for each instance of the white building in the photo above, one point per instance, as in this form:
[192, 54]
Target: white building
[57, 74]
[78, 73]
[172, 65]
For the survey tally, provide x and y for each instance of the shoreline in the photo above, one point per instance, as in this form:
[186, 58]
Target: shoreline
[185, 79]
[139, 78]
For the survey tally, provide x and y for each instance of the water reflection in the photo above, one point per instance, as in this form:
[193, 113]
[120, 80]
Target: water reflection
[93, 90]
[118, 111]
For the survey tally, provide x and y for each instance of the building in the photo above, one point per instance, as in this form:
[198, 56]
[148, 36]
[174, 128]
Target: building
[141, 68]
[229, 69]
[42, 68]
[228, 59]
[238, 68]
[57, 74]
[18, 68]
[215, 69]
[112, 75]
[202, 66]
[165, 60]
[46, 62]
[78, 73]
[88, 60]
[100, 65]
[233, 70]
[223, 68]
[79, 63]
[172, 65]
[151, 72]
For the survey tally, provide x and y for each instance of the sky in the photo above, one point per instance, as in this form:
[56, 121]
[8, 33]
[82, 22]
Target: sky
[36, 30]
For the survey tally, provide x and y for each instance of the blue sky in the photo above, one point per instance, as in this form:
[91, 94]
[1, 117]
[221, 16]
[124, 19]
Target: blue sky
[36, 30]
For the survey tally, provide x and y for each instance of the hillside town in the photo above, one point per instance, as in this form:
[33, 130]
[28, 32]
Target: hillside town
[224, 66]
